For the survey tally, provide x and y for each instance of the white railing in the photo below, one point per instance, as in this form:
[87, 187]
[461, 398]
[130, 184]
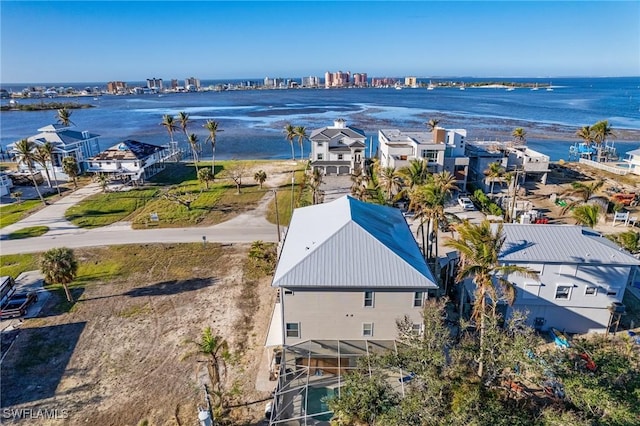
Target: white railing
[605, 167]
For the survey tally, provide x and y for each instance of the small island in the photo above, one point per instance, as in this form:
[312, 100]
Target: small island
[43, 106]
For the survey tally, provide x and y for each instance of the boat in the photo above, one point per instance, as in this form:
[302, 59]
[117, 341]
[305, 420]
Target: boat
[559, 338]
[510, 89]
[549, 88]
[462, 87]
[535, 87]
[430, 86]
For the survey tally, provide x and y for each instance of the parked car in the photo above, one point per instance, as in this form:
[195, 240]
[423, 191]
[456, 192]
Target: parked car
[17, 305]
[466, 203]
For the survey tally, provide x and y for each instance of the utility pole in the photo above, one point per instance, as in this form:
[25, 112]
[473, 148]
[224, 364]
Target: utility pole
[293, 180]
[275, 194]
[513, 199]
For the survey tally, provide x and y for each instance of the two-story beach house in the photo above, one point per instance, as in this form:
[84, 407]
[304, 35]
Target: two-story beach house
[582, 276]
[66, 143]
[348, 270]
[528, 162]
[337, 149]
[632, 158]
[442, 149]
[129, 160]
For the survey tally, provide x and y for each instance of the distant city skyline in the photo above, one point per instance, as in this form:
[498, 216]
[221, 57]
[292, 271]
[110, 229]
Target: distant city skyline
[91, 41]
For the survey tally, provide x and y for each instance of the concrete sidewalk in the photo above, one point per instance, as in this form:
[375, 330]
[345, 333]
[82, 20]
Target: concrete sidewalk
[52, 216]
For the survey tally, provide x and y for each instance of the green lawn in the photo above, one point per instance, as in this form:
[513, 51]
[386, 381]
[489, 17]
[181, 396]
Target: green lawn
[32, 231]
[11, 213]
[107, 208]
[284, 200]
[14, 264]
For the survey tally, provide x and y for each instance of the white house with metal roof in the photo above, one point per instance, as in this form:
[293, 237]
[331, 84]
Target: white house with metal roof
[633, 159]
[67, 143]
[348, 270]
[582, 276]
[337, 149]
[129, 160]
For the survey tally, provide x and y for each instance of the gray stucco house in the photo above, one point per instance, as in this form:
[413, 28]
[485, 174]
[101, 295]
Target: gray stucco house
[582, 276]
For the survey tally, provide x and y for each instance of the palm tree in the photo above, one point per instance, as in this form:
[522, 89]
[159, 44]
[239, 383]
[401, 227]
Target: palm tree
[47, 150]
[64, 117]
[519, 135]
[432, 124]
[183, 119]
[416, 173]
[314, 183]
[601, 131]
[216, 349]
[587, 214]
[169, 123]
[25, 155]
[260, 176]
[586, 134]
[103, 180]
[301, 134]
[493, 172]
[205, 176]
[479, 247]
[70, 168]
[583, 190]
[391, 181]
[40, 157]
[290, 135]
[212, 127]
[193, 143]
[59, 266]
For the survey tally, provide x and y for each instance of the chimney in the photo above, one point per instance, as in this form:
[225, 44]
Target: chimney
[339, 124]
[85, 134]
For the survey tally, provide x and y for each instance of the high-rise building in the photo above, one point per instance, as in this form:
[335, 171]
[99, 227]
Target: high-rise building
[410, 82]
[192, 81]
[174, 84]
[310, 81]
[114, 87]
[155, 84]
[360, 79]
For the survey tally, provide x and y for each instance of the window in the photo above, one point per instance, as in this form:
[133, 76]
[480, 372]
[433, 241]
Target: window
[340, 156]
[531, 290]
[590, 291]
[288, 292]
[416, 328]
[320, 156]
[293, 329]
[368, 299]
[418, 298]
[563, 292]
[367, 329]
[612, 292]
[429, 155]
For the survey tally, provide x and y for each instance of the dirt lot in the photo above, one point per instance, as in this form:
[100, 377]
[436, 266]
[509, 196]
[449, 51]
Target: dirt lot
[119, 356]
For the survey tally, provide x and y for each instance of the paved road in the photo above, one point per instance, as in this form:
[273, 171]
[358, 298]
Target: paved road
[247, 227]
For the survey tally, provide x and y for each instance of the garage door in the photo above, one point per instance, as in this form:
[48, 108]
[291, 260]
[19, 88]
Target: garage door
[344, 170]
[332, 170]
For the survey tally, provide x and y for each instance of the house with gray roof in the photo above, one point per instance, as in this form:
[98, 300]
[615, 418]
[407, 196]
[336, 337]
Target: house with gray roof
[66, 143]
[338, 149]
[582, 276]
[348, 270]
[130, 161]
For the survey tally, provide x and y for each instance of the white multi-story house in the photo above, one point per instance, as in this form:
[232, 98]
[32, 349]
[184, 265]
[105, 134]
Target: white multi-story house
[337, 149]
[442, 149]
[5, 184]
[633, 160]
[348, 270]
[66, 143]
[129, 160]
[582, 276]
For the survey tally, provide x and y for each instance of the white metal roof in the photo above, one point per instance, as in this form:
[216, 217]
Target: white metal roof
[561, 244]
[350, 243]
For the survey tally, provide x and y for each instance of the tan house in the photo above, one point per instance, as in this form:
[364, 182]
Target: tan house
[348, 270]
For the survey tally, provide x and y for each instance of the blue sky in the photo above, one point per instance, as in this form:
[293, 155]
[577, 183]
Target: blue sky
[78, 41]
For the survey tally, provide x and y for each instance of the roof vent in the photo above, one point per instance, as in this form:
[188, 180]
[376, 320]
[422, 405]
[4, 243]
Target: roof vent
[122, 147]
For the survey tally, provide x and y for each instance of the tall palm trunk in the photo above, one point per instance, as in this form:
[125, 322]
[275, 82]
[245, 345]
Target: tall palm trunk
[55, 178]
[35, 184]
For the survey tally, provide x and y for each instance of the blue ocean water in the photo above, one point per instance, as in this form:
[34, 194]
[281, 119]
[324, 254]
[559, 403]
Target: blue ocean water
[252, 120]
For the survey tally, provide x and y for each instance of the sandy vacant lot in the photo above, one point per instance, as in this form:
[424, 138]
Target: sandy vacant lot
[120, 355]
